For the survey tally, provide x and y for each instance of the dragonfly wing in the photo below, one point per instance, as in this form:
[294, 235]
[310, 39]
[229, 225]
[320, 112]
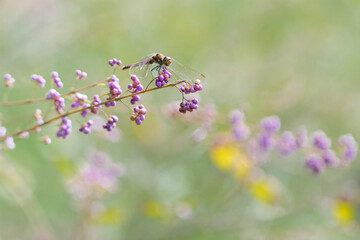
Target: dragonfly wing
[140, 69]
[182, 72]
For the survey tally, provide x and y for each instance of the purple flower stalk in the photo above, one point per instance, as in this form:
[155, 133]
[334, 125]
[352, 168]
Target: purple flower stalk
[39, 79]
[64, 129]
[348, 146]
[320, 140]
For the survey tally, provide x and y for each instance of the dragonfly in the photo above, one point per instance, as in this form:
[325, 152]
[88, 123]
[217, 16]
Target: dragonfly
[156, 62]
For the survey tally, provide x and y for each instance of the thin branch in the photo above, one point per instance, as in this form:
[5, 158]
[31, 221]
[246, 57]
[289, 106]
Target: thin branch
[82, 109]
[29, 101]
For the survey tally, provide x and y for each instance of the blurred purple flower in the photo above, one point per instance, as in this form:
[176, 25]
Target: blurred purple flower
[96, 177]
[270, 124]
[314, 163]
[320, 140]
[330, 158]
[265, 141]
[287, 143]
[301, 137]
[349, 147]
[240, 130]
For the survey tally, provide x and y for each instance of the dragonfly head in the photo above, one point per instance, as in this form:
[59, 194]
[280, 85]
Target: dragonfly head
[167, 61]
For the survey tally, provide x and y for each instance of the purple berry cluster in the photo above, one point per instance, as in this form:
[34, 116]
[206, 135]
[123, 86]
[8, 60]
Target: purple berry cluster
[39, 79]
[163, 78]
[86, 110]
[188, 106]
[135, 88]
[79, 100]
[38, 117]
[111, 123]
[64, 129]
[114, 61]
[114, 90]
[85, 128]
[56, 79]
[9, 80]
[58, 100]
[192, 88]
[80, 75]
[139, 114]
[96, 104]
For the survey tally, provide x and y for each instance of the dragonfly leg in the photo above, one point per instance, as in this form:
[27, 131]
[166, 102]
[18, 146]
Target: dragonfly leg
[157, 69]
[149, 83]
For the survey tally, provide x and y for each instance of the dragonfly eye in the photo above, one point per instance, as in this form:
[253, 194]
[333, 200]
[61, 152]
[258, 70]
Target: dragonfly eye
[167, 61]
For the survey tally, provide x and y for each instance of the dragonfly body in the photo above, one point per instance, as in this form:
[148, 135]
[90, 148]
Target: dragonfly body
[157, 58]
[158, 63]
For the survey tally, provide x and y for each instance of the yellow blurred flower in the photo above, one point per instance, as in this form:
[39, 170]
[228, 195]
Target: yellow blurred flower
[109, 216]
[232, 159]
[344, 211]
[154, 209]
[65, 166]
[265, 190]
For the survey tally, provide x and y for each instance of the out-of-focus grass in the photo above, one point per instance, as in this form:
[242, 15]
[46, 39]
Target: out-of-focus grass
[296, 59]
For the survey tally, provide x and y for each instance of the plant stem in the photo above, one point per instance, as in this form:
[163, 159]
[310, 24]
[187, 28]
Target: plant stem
[29, 101]
[82, 109]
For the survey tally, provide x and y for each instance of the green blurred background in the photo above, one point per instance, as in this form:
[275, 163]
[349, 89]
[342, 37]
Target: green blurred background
[295, 59]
